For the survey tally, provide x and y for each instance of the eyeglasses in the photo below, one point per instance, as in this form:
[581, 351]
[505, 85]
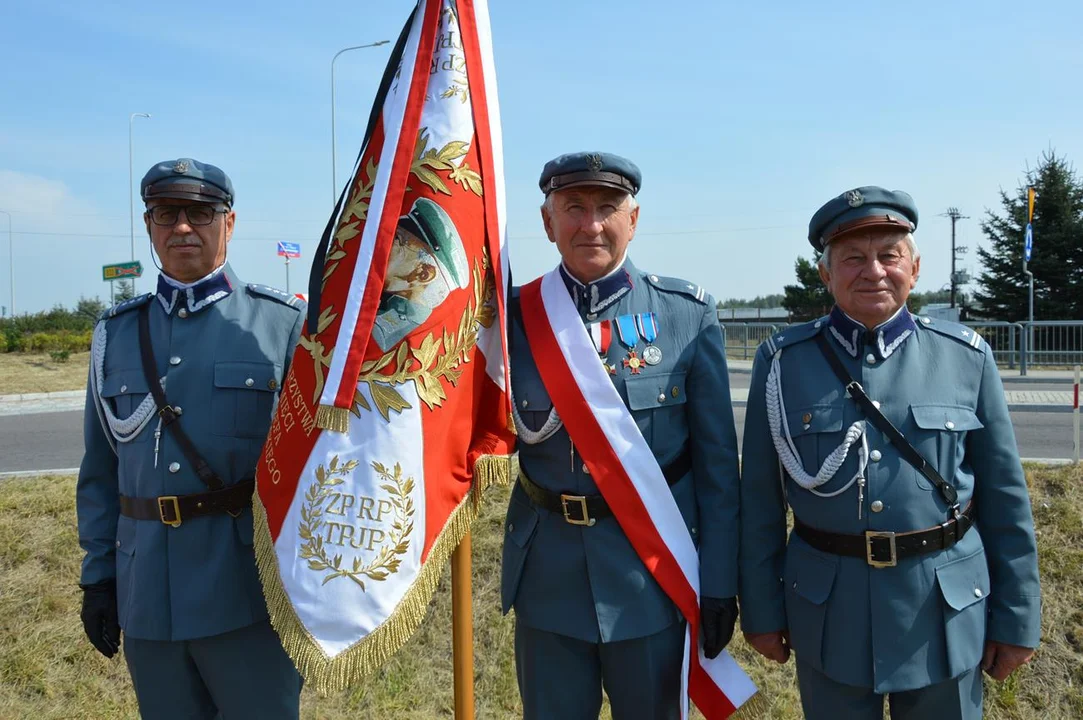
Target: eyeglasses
[167, 215]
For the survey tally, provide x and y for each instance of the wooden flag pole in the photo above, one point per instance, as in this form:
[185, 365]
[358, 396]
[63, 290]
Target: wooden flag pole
[462, 630]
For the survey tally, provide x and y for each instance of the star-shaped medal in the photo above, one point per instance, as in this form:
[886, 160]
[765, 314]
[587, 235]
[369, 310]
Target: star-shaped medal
[633, 362]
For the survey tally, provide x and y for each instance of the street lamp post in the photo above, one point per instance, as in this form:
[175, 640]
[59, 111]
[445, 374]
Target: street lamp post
[11, 260]
[131, 184]
[334, 178]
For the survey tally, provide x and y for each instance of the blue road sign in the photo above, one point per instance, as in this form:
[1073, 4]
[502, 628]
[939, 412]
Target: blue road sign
[1028, 243]
[289, 250]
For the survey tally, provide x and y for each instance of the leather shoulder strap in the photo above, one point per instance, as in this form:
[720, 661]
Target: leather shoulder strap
[908, 451]
[168, 414]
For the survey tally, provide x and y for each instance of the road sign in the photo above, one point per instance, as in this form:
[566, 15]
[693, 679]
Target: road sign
[119, 271]
[289, 250]
[1028, 243]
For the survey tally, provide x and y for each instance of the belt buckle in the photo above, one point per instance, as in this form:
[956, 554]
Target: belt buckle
[165, 502]
[871, 535]
[577, 500]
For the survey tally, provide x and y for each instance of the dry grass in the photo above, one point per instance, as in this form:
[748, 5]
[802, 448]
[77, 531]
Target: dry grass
[34, 373]
[48, 670]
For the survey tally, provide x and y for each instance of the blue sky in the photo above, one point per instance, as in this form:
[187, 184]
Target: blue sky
[744, 117]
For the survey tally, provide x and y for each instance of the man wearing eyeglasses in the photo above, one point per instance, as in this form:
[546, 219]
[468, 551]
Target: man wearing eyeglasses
[182, 386]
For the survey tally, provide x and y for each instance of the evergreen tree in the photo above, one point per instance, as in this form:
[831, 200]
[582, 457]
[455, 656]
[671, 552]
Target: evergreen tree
[1057, 259]
[808, 299]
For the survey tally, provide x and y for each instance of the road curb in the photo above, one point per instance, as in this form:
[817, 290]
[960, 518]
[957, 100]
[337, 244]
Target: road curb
[42, 397]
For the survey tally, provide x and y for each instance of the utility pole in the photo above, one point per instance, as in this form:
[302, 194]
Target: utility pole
[953, 213]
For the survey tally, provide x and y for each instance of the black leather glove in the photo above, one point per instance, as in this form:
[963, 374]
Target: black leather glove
[717, 617]
[99, 616]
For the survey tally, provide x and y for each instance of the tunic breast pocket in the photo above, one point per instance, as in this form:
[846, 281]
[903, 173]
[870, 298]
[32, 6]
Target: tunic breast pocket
[532, 403]
[941, 437]
[657, 402]
[816, 431]
[125, 391]
[243, 398]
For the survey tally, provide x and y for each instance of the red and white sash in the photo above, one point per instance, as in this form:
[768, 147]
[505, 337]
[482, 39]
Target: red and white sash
[627, 473]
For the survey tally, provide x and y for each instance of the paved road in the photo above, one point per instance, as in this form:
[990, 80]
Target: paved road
[50, 441]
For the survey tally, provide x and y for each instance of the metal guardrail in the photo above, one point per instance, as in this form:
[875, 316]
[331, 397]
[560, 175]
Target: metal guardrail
[742, 338]
[1045, 343]
[1053, 342]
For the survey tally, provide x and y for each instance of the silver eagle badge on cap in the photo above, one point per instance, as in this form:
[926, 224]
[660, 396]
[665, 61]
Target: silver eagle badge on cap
[594, 162]
[181, 167]
[855, 198]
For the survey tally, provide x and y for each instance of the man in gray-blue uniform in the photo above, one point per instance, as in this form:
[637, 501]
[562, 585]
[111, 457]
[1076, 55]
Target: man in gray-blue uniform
[588, 613]
[913, 559]
[173, 429]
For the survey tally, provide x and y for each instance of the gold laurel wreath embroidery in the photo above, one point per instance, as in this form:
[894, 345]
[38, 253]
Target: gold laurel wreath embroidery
[387, 560]
[426, 365]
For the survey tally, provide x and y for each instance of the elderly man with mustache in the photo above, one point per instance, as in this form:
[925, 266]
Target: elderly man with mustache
[182, 386]
[912, 564]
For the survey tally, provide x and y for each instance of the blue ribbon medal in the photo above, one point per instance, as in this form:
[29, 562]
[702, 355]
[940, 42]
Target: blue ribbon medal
[628, 332]
[647, 324]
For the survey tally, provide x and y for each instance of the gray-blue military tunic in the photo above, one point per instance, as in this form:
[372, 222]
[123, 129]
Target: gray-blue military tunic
[924, 621]
[223, 348]
[587, 583]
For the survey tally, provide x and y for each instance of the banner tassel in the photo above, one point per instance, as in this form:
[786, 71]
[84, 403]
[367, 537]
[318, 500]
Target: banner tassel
[335, 419]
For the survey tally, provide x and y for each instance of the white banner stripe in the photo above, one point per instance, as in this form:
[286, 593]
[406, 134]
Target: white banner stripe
[728, 675]
[393, 111]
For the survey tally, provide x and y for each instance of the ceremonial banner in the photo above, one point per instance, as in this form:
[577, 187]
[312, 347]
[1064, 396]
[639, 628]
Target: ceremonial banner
[629, 477]
[394, 415]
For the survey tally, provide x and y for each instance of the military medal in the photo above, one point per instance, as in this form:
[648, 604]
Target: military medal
[602, 335]
[647, 325]
[633, 362]
[629, 338]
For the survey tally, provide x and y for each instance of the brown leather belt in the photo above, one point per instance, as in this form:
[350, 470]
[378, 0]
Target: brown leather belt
[586, 509]
[883, 549]
[173, 509]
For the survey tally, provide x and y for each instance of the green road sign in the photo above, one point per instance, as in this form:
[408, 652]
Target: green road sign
[132, 269]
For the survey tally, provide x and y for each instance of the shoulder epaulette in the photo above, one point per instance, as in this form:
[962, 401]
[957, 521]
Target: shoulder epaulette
[793, 335]
[956, 331]
[129, 304]
[275, 294]
[676, 285]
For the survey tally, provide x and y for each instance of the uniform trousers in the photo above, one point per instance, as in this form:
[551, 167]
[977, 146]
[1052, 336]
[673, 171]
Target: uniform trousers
[562, 678]
[824, 699]
[237, 675]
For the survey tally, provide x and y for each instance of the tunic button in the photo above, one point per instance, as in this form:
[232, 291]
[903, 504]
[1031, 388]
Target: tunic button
[818, 324]
[877, 506]
[949, 425]
[272, 384]
[654, 278]
[926, 320]
[870, 359]
[124, 388]
[977, 592]
[586, 470]
[592, 316]
[182, 313]
[875, 456]
[806, 418]
[118, 543]
[876, 404]
[249, 382]
[511, 527]
[662, 397]
[174, 467]
[525, 404]
[178, 409]
[175, 360]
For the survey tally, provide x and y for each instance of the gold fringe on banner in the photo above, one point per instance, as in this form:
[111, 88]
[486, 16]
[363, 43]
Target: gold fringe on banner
[370, 653]
[335, 419]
